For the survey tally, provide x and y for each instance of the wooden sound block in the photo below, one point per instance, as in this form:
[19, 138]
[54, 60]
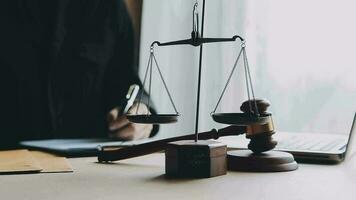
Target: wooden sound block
[190, 159]
[270, 161]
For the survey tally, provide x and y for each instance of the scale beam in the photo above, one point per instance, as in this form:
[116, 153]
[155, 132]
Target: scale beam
[197, 41]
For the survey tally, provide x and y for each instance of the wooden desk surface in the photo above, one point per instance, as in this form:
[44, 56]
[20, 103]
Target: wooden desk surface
[143, 178]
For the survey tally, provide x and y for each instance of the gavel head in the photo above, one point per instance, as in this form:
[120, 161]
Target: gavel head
[260, 134]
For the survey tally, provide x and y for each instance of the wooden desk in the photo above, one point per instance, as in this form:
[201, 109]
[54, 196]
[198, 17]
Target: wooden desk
[142, 178]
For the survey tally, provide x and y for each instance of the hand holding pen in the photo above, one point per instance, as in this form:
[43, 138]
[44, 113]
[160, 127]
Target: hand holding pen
[118, 125]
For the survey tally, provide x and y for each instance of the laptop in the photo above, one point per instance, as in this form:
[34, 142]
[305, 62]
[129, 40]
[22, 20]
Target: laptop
[306, 147]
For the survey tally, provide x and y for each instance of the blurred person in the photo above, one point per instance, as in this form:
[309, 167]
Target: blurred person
[65, 65]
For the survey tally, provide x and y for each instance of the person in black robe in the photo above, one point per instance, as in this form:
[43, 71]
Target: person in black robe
[65, 66]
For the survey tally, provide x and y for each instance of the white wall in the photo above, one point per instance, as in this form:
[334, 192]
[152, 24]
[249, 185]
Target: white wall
[301, 54]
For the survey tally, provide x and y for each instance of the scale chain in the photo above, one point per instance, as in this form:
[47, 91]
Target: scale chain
[250, 80]
[246, 79]
[143, 84]
[164, 83]
[150, 83]
[228, 80]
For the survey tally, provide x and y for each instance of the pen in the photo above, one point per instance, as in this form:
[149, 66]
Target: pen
[130, 98]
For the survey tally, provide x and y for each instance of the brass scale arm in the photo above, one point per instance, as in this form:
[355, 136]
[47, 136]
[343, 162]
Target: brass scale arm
[197, 41]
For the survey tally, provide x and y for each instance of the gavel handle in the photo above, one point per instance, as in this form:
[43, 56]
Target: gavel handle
[114, 154]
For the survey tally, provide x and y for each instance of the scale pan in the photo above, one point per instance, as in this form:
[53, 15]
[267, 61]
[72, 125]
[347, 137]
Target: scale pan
[153, 119]
[240, 118]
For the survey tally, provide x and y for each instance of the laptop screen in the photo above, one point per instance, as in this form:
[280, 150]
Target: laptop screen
[350, 143]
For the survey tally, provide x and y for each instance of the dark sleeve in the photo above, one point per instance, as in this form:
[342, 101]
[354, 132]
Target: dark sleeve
[121, 71]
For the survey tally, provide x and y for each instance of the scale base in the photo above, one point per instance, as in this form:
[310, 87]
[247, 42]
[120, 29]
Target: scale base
[190, 159]
[270, 161]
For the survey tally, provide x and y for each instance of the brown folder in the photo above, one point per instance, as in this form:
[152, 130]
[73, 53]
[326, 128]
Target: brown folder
[52, 163]
[18, 161]
[24, 161]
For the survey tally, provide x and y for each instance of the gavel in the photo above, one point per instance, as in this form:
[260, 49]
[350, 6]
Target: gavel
[260, 136]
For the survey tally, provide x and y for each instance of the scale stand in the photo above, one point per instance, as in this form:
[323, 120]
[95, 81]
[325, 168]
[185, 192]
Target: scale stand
[202, 158]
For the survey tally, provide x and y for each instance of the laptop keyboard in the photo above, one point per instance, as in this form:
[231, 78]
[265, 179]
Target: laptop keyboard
[311, 144]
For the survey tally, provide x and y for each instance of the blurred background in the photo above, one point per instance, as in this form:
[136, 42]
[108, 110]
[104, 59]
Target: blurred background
[301, 54]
